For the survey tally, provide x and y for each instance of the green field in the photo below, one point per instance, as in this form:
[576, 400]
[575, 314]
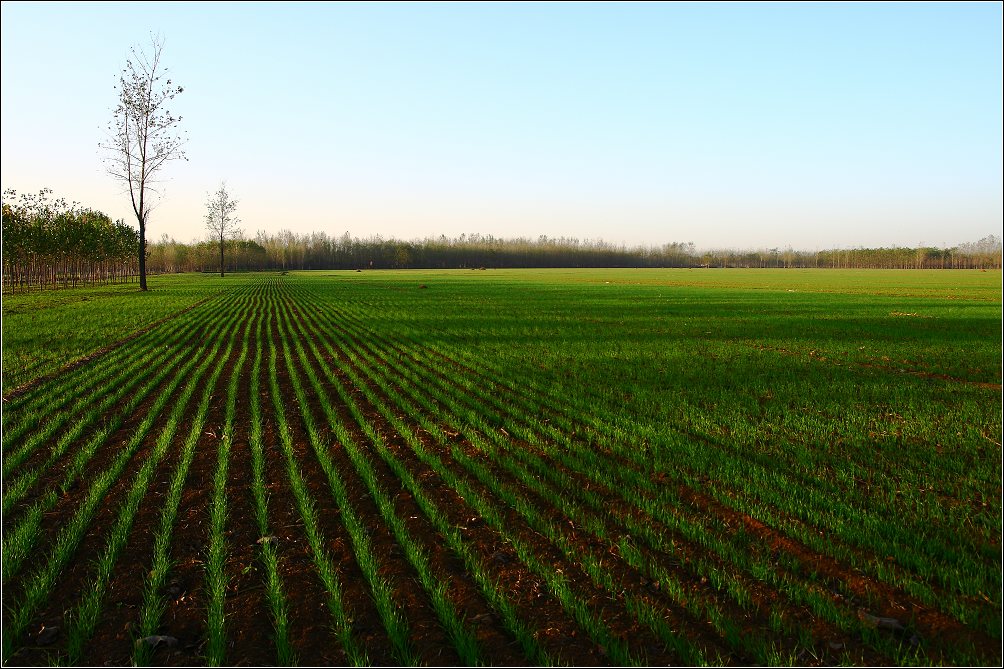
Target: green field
[583, 467]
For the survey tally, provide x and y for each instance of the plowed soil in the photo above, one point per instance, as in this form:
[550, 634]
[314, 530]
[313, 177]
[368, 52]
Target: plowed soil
[530, 509]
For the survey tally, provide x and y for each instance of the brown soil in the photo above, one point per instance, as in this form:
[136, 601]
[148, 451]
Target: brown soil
[245, 608]
[566, 644]
[433, 647]
[637, 583]
[310, 632]
[463, 591]
[940, 631]
[43, 451]
[53, 477]
[79, 571]
[522, 468]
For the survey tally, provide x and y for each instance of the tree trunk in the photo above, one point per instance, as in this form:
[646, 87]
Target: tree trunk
[142, 255]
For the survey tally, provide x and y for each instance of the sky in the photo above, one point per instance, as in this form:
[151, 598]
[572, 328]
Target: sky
[742, 126]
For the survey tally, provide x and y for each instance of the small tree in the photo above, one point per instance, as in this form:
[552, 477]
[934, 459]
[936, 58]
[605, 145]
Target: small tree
[220, 219]
[143, 135]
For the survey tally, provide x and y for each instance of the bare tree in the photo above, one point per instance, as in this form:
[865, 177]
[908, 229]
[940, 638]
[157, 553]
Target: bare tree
[220, 219]
[143, 135]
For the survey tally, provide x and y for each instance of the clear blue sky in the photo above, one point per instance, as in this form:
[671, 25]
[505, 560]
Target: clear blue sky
[728, 125]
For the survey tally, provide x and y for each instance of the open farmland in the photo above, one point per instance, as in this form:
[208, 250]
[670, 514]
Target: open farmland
[512, 467]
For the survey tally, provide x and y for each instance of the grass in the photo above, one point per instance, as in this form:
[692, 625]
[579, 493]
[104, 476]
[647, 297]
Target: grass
[390, 611]
[40, 585]
[691, 466]
[274, 592]
[43, 331]
[87, 614]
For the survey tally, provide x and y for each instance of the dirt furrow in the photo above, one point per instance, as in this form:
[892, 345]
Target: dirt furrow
[496, 644]
[310, 629]
[429, 640]
[184, 617]
[245, 609]
[52, 479]
[930, 623]
[616, 510]
[67, 594]
[500, 558]
[936, 631]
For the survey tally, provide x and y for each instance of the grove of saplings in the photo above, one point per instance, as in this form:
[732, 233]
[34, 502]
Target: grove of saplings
[49, 243]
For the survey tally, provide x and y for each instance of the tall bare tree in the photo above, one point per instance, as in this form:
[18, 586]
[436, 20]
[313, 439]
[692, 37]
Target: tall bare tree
[220, 218]
[143, 135]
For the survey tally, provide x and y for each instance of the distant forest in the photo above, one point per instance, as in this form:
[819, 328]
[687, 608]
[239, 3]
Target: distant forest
[290, 251]
[49, 243]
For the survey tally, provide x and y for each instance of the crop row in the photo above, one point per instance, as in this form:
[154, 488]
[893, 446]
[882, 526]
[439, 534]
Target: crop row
[277, 461]
[869, 503]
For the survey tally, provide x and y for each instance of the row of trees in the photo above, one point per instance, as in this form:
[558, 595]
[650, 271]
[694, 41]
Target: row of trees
[49, 243]
[286, 250]
[982, 254]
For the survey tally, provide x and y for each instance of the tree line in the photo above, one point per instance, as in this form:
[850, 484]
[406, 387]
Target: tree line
[982, 254]
[50, 243]
[287, 250]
